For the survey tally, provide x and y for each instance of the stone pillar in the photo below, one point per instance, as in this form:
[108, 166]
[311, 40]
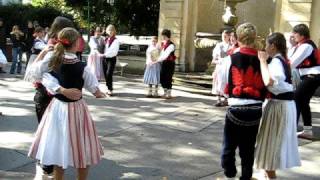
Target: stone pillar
[171, 17]
[315, 22]
[291, 13]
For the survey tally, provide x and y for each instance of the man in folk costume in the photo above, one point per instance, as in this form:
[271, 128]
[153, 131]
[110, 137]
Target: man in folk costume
[306, 58]
[167, 58]
[110, 53]
[246, 93]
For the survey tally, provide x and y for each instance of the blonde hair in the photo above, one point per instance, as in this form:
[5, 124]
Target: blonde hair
[247, 33]
[111, 28]
[15, 28]
[67, 39]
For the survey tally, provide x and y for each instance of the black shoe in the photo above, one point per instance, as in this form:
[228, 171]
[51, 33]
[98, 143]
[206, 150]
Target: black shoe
[2, 71]
[47, 169]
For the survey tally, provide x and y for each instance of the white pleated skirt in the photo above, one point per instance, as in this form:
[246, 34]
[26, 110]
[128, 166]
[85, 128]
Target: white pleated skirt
[94, 63]
[218, 80]
[66, 136]
[277, 143]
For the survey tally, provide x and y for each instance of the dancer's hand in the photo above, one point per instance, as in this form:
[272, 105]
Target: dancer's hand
[263, 56]
[72, 93]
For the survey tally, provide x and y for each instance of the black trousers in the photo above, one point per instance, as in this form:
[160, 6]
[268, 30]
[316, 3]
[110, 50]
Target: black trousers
[108, 65]
[303, 94]
[166, 74]
[42, 100]
[242, 136]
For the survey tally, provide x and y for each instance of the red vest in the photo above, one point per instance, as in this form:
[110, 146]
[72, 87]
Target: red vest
[164, 46]
[313, 59]
[245, 79]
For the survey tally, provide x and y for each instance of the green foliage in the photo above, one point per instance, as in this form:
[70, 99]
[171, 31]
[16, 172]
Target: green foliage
[140, 17]
[20, 14]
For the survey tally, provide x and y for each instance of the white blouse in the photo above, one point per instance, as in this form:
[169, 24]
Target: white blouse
[164, 54]
[278, 76]
[90, 81]
[220, 51]
[148, 52]
[40, 44]
[113, 50]
[299, 53]
[94, 44]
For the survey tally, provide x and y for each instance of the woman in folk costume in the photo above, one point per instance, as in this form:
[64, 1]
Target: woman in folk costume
[152, 72]
[40, 66]
[167, 58]
[66, 135]
[96, 44]
[246, 93]
[218, 54]
[277, 143]
[38, 45]
[110, 57]
[306, 58]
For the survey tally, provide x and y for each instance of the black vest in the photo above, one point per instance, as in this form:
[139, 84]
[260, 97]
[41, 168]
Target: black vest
[245, 80]
[69, 76]
[287, 72]
[311, 60]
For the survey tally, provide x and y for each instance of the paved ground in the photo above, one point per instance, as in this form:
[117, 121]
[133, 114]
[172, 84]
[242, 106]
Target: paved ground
[149, 139]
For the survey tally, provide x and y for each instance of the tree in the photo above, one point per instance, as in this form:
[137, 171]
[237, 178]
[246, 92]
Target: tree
[140, 17]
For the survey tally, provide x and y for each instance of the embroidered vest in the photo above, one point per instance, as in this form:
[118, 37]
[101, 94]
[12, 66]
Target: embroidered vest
[164, 46]
[245, 80]
[313, 59]
[69, 76]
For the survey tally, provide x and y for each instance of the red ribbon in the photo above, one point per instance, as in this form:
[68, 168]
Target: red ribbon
[64, 41]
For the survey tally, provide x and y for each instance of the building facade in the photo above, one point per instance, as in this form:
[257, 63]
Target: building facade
[187, 17]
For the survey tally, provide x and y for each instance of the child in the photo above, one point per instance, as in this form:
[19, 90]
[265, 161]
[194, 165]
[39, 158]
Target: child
[152, 72]
[41, 66]
[96, 45]
[234, 44]
[66, 135]
[218, 53]
[38, 45]
[110, 57]
[277, 143]
[246, 93]
[167, 58]
[306, 59]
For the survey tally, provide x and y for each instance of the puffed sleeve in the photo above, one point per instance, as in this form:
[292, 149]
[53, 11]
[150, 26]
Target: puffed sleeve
[90, 81]
[51, 83]
[225, 68]
[278, 76]
[38, 68]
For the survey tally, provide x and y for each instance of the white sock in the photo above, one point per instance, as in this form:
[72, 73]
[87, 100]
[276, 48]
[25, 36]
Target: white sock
[307, 129]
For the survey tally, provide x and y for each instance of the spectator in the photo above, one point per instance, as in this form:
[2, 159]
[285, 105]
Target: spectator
[29, 40]
[16, 37]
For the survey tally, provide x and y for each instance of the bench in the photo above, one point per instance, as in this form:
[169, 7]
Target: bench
[121, 65]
